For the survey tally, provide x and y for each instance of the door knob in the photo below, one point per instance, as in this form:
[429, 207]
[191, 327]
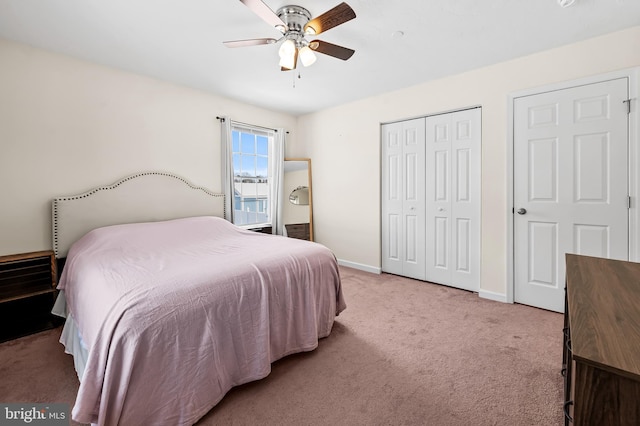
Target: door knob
[440, 209]
[521, 211]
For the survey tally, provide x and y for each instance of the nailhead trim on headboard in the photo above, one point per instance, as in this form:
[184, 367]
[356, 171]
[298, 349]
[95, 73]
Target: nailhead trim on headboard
[113, 186]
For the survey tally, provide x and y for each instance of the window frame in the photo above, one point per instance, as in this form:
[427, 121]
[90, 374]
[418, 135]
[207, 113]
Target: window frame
[266, 202]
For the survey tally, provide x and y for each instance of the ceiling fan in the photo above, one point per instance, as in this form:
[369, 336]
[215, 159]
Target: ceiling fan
[295, 23]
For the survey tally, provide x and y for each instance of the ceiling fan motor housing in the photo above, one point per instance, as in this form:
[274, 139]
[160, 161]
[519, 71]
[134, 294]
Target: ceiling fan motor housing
[295, 17]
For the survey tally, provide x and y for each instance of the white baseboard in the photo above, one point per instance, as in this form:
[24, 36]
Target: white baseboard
[485, 294]
[360, 266]
[498, 297]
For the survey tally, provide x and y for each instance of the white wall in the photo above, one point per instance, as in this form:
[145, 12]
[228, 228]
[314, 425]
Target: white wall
[67, 125]
[344, 144]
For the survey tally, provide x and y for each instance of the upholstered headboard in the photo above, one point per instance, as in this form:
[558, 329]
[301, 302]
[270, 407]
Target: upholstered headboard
[143, 197]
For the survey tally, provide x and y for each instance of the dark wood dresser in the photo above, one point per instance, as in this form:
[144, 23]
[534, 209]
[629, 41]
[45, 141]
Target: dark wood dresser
[300, 231]
[601, 357]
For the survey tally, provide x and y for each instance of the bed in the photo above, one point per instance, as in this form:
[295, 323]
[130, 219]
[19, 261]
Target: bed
[168, 305]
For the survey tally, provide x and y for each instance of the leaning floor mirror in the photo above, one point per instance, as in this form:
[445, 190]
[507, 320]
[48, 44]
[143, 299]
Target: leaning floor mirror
[297, 211]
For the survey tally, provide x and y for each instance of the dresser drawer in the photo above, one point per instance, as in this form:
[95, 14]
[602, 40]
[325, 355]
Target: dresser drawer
[298, 230]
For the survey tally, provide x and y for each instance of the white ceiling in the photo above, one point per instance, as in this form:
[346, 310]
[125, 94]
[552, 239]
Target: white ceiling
[181, 41]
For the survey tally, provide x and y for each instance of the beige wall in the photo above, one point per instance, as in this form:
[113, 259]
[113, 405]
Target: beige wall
[344, 144]
[68, 125]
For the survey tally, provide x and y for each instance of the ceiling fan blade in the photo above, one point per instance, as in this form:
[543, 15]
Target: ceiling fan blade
[331, 49]
[263, 11]
[331, 18]
[250, 42]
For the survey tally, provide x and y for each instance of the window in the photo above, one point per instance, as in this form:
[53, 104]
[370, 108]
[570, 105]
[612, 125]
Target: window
[251, 157]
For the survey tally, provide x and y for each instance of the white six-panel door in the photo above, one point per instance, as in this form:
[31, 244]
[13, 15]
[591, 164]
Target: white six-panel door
[570, 185]
[453, 198]
[403, 202]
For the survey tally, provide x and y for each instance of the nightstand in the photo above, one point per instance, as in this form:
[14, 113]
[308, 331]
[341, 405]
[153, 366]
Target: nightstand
[27, 293]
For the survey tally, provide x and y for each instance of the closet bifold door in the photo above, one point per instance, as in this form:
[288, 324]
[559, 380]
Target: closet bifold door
[453, 198]
[403, 198]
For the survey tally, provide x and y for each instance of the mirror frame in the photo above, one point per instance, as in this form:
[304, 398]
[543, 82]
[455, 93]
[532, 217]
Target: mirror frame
[308, 161]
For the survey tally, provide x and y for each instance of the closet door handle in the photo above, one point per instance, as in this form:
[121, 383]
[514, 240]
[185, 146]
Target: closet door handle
[565, 408]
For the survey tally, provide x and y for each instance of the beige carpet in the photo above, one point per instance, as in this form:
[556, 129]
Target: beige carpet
[404, 352]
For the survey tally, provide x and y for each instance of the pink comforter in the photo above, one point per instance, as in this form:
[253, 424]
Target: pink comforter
[176, 313]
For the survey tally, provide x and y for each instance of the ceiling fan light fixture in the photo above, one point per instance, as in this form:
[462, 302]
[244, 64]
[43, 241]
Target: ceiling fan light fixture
[286, 62]
[287, 49]
[307, 57]
[288, 53]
